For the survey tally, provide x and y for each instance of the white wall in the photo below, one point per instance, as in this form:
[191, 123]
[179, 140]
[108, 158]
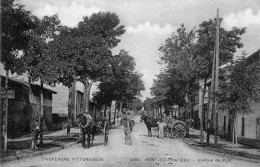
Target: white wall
[250, 122]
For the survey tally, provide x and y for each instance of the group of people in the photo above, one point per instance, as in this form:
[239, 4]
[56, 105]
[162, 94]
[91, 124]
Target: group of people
[85, 121]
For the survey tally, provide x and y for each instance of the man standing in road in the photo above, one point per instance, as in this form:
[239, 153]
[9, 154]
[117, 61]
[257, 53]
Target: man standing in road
[127, 130]
[106, 128]
[161, 127]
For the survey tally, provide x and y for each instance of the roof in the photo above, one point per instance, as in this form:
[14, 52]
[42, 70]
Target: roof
[79, 91]
[47, 89]
[61, 114]
[17, 81]
[253, 57]
[29, 84]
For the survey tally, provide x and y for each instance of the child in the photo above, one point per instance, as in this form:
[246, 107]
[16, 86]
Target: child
[36, 131]
[161, 126]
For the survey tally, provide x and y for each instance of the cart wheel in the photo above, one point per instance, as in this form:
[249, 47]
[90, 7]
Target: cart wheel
[179, 130]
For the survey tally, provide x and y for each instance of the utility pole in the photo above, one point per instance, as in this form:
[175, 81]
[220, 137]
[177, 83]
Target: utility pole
[1, 119]
[216, 82]
[201, 102]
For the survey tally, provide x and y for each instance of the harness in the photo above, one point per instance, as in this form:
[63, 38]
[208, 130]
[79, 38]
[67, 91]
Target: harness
[85, 124]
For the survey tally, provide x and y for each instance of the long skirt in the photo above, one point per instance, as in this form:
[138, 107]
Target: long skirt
[128, 140]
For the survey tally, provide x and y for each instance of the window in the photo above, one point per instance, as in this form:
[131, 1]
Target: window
[257, 121]
[243, 127]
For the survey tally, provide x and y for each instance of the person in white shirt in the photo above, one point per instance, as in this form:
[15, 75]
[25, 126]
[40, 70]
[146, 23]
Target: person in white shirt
[89, 118]
[161, 125]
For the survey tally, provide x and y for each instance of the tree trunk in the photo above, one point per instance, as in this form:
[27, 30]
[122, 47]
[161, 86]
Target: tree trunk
[161, 112]
[105, 112]
[115, 117]
[120, 109]
[87, 86]
[233, 132]
[41, 115]
[190, 116]
[71, 106]
[5, 129]
[109, 114]
[235, 127]
[109, 117]
[202, 110]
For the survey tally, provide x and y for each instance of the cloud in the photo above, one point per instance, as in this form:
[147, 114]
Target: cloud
[242, 19]
[148, 28]
[70, 15]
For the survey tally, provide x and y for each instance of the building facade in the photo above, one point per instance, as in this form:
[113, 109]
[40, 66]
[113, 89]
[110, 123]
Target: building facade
[25, 106]
[247, 125]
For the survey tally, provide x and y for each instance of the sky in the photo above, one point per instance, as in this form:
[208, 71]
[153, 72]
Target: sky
[149, 23]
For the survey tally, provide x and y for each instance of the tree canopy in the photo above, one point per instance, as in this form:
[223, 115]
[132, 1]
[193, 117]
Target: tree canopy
[16, 24]
[124, 83]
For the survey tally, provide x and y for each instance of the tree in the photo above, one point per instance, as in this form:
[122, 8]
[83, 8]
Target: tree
[136, 104]
[87, 49]
[239, 88]
[122, 83]
[177, 54]
[188, 58]
[16, 23]
[148, 105]
[204, 51]
[102, 31]
[161, 90]
[37, 61]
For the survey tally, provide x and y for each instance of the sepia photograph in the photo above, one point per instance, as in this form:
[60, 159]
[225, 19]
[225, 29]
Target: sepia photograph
[130, 83]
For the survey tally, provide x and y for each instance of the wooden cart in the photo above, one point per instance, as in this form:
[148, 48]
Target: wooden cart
[175, 129]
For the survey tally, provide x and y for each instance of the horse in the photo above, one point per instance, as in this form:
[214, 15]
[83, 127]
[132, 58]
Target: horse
[149, 122]
[87, 128]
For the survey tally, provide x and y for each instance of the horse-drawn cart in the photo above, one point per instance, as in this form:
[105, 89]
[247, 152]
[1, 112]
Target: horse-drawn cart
[175, 129]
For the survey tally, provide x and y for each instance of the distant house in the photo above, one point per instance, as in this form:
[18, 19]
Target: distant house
[194, 113]
[248, 125]
[59, 121]
[60, 106]
[26, 106]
